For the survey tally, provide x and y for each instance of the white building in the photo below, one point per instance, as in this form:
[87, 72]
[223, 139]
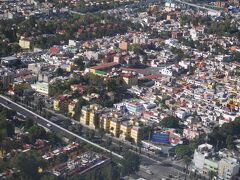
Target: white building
[200, 154]
[167, 71]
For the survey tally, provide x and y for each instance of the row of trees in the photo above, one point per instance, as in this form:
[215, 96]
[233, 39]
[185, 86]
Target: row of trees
[7, 49]
[81, 6]
[11, 30]
[170, 122]
[221, 27]
[92, 84]
[224, 136]
[6, 128]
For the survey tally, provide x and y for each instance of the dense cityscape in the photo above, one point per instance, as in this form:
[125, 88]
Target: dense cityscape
[119, 89]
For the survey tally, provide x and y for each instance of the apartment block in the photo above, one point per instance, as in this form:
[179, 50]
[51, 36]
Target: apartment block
[90, 115]
[228, 168]
[125, 130]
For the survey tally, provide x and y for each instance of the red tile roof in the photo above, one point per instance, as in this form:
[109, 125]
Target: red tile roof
[105, 65]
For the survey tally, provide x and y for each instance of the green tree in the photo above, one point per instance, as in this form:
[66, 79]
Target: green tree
[53, 138]
[80, 63]
[66, 123]
[36, 132]
[236, 56]
[130, 163]
[28, 123]
[183, 150]
[40, 104]
[49, 177]
[177, 52]
[63, 107]
[170, 122]
[28, 164]
[81, 102]
[6, 128]
[111, 85]
[229, 142]
[90, 134]
[211, 174]
[187, 161]
[59, 71]
[145, 132]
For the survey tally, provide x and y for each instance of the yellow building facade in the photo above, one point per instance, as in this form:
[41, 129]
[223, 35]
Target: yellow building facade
[56, 103]
[130, 80]
[90, 115]
[71, 107]
[85, 114]
[114, 127]
[24, 43]
[135, 133]
[105, 122]
[125, 130]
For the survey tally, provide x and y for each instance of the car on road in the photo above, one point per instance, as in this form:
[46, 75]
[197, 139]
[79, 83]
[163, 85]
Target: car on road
[49, 125]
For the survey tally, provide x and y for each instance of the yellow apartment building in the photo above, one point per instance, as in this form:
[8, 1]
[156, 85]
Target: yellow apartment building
[135, 133]
[85, 114]
[125, 130]
[70, 68]
[90, 115]
[56, 103]
[115, 127]
[25, 43]
[105, 122]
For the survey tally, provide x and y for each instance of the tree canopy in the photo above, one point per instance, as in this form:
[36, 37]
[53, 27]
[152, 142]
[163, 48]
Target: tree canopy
[28, 164]
[130, 163]
[170, 122]
[223, 137]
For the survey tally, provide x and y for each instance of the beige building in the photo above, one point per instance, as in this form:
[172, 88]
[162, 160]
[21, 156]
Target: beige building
[227, 168]
[123, 45]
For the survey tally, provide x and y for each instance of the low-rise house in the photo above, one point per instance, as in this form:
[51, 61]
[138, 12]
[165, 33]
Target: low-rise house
[41, 87]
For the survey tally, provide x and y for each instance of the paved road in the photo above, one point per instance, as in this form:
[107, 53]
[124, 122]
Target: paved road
[50, 125]
[162, 170]
[197, 6]
[76, 12]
